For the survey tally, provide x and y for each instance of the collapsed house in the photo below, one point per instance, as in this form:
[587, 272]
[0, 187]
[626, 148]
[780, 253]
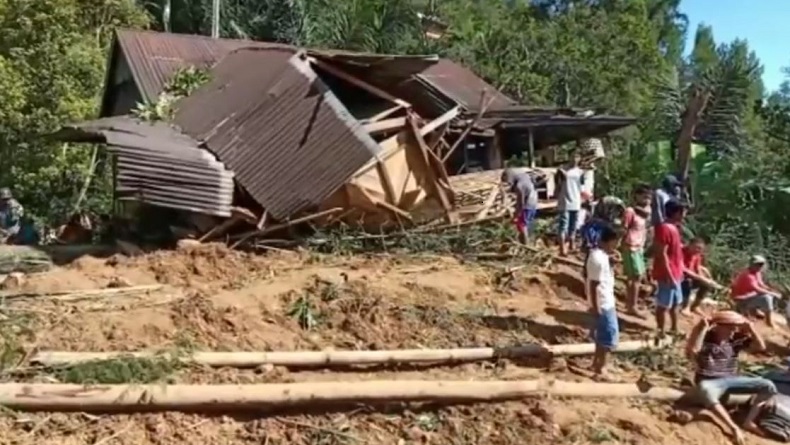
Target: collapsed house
[278, 132]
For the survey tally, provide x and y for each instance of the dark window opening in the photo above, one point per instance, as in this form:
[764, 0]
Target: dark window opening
[359, 102]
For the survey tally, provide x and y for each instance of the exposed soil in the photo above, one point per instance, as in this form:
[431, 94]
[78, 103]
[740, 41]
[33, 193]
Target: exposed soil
[216, 299]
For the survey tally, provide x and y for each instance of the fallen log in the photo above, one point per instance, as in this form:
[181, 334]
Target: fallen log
[343, 358]
[149, 398]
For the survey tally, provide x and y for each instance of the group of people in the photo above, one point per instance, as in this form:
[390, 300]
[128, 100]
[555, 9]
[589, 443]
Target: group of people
[649, 226]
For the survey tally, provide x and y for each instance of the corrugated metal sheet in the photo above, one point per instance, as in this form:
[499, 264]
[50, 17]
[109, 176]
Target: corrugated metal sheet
[463, 86]
[270, 119]
[158, 165]
[154, 57]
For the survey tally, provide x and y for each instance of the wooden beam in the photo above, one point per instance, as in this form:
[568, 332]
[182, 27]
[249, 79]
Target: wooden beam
[386, 182]
[376, 91]
[396, 123]
[383, 114]
[245, 236]
[438, 190]
[483, 107]
[439, 121]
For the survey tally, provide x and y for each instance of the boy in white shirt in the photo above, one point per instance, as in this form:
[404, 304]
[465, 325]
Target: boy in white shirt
[600, 288]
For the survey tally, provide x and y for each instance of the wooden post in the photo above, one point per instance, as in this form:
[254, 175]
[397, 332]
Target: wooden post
[531, 149]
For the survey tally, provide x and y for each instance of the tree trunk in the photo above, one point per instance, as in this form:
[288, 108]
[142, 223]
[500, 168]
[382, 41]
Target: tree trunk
[342, 358]
[259, 397]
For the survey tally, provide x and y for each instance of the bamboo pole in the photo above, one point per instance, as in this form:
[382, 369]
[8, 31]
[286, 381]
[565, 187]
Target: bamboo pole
[73, 295]
[343, 358]
[148, 398]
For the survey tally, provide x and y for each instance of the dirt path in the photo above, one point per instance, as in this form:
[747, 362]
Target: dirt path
[221, 300]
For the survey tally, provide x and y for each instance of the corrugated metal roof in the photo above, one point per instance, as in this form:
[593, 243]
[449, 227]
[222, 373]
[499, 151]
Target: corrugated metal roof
[154, 57]
[158, 165]
[463, 86]
[270, 119]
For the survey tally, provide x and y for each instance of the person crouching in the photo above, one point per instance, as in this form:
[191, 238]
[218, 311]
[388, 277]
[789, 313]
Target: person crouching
[714, 345]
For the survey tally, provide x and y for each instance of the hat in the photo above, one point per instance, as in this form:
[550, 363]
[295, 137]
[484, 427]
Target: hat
[728, 317]
[672, 181]
[757, 259]
[5, 193]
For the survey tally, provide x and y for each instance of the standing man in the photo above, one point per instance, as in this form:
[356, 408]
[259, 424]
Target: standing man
[668, 266]
[671, 187]
[569, 181]
[635, 222]
[520, 183]
[600, 282]
[751, 294]
[11, 213]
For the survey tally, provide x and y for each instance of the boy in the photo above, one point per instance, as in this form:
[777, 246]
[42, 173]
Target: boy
[520, 182]
[608, 211]
[600, 285]
[668, 266]
[635, 222]
[569, 180]
[696, 277]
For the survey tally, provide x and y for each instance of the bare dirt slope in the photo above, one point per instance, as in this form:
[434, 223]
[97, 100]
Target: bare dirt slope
[215, 299]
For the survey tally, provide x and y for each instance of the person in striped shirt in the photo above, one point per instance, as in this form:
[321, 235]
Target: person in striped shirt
[714, 345]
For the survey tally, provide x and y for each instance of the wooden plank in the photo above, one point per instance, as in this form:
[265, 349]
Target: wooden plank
[439, 121]
[386, 182]
[443, 199]
[490, 200]
[395, 123]
[382, 115]
[376, 91]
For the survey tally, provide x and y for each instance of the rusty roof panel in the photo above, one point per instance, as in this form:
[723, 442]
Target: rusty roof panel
[154, 57]
[270, 119]
[463, 86]
[158, 165]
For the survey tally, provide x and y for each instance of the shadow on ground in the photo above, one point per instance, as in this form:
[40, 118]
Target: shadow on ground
[585, 320]
[569, 282]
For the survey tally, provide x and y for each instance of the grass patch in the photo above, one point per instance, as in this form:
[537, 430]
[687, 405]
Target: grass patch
[666, 360]
[121, 370]
[15, 327]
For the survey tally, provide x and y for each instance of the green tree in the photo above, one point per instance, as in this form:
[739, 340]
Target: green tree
[52, 56]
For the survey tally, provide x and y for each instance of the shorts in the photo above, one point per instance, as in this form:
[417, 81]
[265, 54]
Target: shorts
[567, 222]
[669, 295]
[762, 302]
[526, 219]
[634, 265]
[606, 332]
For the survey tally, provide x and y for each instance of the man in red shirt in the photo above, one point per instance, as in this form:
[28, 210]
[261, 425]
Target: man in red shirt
[750, 293]
[668, 266]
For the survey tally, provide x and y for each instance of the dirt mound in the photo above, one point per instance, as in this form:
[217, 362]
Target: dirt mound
[218, 299]
[210, 263]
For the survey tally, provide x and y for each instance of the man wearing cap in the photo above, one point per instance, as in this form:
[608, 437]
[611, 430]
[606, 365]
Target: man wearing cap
[671, 188]
[11, 213]
[751, 294]
[714, 345]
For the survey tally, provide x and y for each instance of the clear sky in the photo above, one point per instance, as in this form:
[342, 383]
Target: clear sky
[764, 23]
